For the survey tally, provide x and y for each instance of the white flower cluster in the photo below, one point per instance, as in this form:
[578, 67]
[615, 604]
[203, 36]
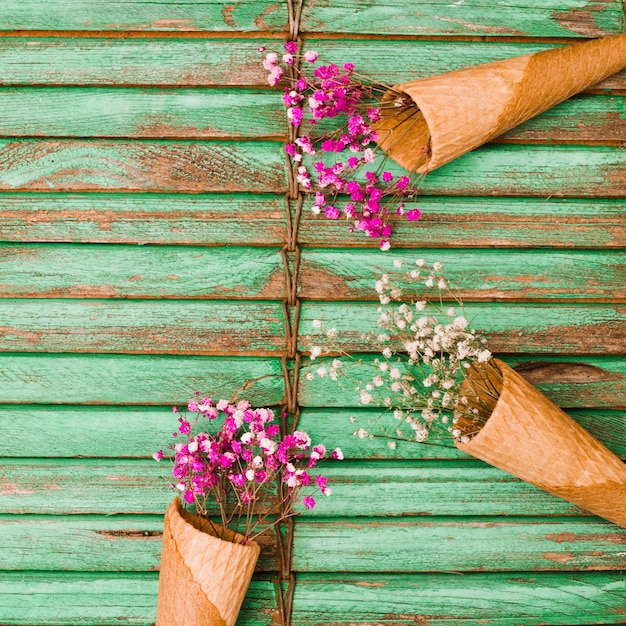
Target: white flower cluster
[426, 347]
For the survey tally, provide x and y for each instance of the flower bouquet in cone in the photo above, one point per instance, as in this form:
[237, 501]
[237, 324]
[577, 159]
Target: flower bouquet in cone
[435, 373]
[341, 121]
[230, 462]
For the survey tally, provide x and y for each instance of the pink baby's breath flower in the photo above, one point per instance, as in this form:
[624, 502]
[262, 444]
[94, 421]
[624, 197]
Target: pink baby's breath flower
[403, 182]
[288, 59]
[157, 456]
[291, 47]
[413, 214]
[310, 56]
[309, 502]
[387, 177]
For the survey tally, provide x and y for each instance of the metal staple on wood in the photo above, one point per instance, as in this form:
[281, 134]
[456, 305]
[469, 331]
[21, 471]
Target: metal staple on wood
[290, 362]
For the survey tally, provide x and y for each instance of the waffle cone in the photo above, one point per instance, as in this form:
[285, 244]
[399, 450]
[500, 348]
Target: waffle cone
[466, 108]
[203, 578]
[530, 437]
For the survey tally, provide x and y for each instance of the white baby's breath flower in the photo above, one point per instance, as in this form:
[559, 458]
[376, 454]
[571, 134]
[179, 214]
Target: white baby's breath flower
[361, 433]
[331, 333]
[317, 323]
[397, 263]
[451, 312]
[387, 352]
[392, 445]
[366, 398]
[322, 372]
[420, 262]
[315, 351]
[437, 266]
[384, 366]
[395, 373]
[442, 284]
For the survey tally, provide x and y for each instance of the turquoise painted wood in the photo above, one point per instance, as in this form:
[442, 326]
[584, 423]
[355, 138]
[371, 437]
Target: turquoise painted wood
[142, 219]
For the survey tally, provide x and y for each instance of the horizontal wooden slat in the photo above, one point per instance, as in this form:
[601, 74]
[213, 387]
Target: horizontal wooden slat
[474, 274]
[508, 327]
[449, 544]
[145, 166]
[260, 220]
[42, 599]
[138, 15]
[465, 222]
[225, 62]
[158, 113]
[132, 62]
[208, 114]
[132, 543]
[142, 327]
[572, 382]
[197, 219]
[121, 431]
[82, 543]
[399, 488]
[450, 599]
[545, 19]
[94, 271]
[531, 170]
[136, 379]
[337, 427]
[394, 61]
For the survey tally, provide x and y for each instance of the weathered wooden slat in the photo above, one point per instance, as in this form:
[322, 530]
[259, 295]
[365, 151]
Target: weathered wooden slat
[132, 543]
[474, 274]
[394, 61]
[142, 327]
[145, 113]
[209, 114]
[211, 219]
[450, 599]
[145, 166]
[508, 327]
[94, 271]
[257, 328]
[137, 15]
[137, 432]
[449, 544]
[475, 222]
[571, 382]
[399, 488]
[545, 19]
[42, 599]
[132, 62]
[124, 543]
[135, 379]
[564, 171]
[225, 62]
[337, 428]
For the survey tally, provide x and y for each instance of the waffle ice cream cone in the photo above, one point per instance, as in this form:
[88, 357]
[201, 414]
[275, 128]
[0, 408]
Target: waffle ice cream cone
[461, 110]
[203, 578]
[530, 437]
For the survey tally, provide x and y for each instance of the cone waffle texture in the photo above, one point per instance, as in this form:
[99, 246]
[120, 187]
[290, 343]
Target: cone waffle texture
[467, 108]
[531, 438]
[203, 579]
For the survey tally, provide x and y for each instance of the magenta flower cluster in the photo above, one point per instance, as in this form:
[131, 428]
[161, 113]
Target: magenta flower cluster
[239, 463]
[342, 160]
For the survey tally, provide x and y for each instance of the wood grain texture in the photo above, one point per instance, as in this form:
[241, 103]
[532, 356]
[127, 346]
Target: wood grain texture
[190, 219]
[508, 327]
[546, 19]
[243, 113]
[132, 62]
[136, 432]
[513, 275]
[144, 113]
[452, 222]
[395, 61]
[137, 15]
[93, 271]
[97, 165]
[135, 379]
[234, 62]
[449, 544]
[570, 382]
[91, 543]
[399, 489]
[337, 428]
[563, 171]
[140, 327]
[106, 599]
[494, 599]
